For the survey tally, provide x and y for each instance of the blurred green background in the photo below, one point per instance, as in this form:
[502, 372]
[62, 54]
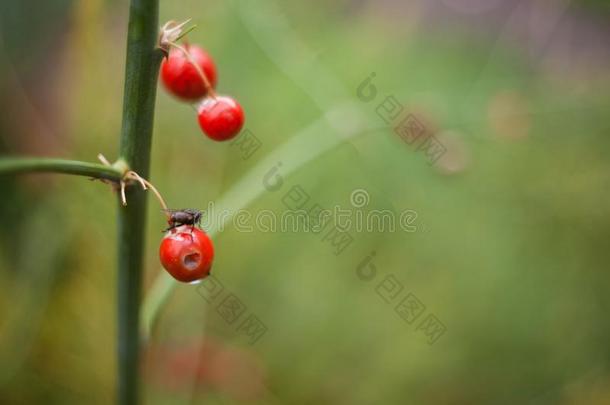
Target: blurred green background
[510, 247]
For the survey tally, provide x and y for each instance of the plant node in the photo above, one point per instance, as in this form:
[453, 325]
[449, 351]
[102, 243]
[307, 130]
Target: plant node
[130, 177]
[172, 32]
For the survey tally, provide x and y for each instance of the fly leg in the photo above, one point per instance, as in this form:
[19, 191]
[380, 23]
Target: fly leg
[172, 226]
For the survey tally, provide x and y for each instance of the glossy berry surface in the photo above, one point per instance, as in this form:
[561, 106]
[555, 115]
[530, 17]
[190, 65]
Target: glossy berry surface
[220, 118]
[187, 253]
[181, 78]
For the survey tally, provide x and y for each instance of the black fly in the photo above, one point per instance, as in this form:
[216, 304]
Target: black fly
[186, 216]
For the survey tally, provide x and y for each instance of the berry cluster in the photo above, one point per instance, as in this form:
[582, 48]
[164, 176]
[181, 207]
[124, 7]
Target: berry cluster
[189, 73]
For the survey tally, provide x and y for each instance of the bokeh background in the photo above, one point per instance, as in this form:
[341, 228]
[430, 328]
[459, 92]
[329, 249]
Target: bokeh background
[509, 250]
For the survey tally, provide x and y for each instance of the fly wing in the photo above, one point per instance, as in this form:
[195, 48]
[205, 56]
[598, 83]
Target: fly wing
[171, 210]
[192, 211]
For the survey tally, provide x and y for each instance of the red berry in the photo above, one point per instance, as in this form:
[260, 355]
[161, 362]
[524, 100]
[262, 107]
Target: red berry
[181, 78]
[221, 118]
[187, 253]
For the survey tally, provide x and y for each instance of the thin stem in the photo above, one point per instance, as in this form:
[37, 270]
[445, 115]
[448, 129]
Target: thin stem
[148, 185]
[185, 33]
[141, 71]
[31, 165]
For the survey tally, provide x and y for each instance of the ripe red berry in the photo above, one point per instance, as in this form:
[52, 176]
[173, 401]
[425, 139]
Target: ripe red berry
[182, 79]
[187, 253]
[220, 118]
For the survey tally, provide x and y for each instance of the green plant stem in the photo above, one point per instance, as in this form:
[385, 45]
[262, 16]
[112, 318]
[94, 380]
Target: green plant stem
[10, 165]
[141, 71]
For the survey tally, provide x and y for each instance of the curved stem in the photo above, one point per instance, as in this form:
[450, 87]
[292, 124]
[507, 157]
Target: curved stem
[141, 71]
[299, 150]
[10, 165]
[146, 185]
